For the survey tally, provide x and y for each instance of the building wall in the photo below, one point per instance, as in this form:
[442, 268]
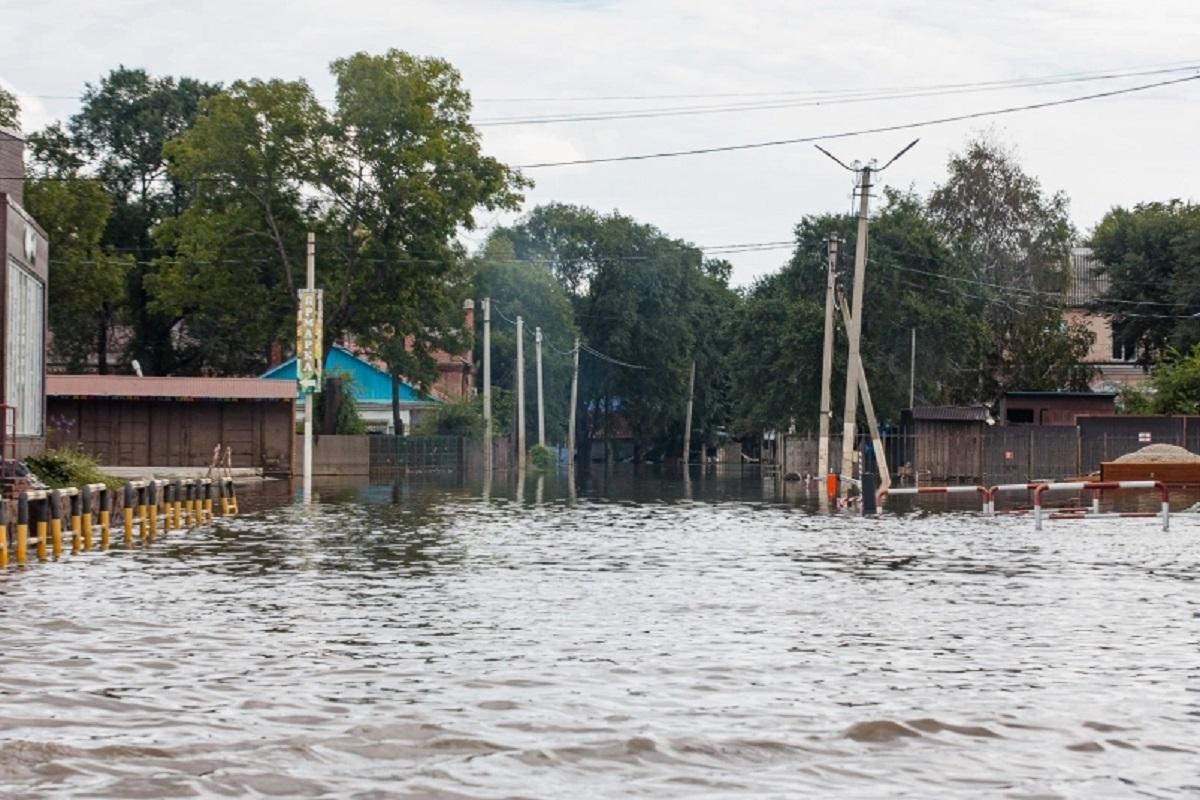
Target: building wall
[12, 166]
[1051, 410]
[16, 224]
[166, 433]
[1101, 327]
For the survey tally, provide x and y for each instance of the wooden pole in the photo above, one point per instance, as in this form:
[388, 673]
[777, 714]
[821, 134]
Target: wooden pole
[537, 339]
[885, 476]
[520, 394]
[571, 416]
[487, 387]
[687, 425]
[827, 362]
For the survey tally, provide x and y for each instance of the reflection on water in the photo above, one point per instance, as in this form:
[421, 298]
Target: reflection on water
[631, 635]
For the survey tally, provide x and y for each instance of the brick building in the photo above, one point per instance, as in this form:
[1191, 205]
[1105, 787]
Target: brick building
[24, 274]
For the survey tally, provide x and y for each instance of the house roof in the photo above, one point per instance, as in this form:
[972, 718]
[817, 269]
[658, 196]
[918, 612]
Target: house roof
[1084, 395]
[951, 413]
[369, 383]
[133, 386]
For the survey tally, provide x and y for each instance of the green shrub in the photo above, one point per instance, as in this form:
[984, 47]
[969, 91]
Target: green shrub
[542, 459]
[65, 467]
[460, 418]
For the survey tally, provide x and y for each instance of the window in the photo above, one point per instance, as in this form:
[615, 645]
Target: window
[24, 375]
[1120, 350]
[1020, 416]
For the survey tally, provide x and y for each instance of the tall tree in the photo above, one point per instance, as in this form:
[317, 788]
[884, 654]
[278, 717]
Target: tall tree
[120, 130]
[1152, 256]
[1015, 241]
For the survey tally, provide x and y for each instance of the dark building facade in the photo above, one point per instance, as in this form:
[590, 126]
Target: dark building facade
[24, 276]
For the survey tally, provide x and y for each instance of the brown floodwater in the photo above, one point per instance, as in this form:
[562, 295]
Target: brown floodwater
[635, 638]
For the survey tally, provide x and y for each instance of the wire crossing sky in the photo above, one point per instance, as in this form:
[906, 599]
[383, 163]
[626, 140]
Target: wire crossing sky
[572, 84]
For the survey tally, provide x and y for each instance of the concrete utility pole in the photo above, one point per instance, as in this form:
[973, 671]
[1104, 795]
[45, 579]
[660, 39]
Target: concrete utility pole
[571, 418]
[854, 330]
[687, 425]
[827, 363]
[487, 386]
[537, 338]
[885, 476]
[520, 394]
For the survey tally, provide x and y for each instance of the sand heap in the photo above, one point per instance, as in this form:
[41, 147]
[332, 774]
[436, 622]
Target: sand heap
[1159, 454]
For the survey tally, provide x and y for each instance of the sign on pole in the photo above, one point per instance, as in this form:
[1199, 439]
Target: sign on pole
[308, 341]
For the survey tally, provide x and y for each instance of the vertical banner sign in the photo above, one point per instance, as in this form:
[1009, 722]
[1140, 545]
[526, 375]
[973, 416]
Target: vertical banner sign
[308, 341]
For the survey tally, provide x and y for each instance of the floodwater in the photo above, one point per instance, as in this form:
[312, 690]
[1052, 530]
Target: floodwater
[639, 639]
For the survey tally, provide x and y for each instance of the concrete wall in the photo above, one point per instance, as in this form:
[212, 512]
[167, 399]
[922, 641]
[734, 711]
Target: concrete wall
[335, 455]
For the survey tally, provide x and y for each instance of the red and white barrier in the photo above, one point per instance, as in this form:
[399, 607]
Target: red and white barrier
[1096, 487]
[988, 497]
[983, 492]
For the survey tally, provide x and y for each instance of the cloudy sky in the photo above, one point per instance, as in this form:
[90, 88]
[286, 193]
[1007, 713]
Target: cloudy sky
[523, 58]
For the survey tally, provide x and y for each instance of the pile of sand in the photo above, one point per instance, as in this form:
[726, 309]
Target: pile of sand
[1159, 454]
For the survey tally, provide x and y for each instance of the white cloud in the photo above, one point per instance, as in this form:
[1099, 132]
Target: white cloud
[1117, 151]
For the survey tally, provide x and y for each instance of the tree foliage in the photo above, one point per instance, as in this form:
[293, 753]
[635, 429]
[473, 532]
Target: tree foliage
[10, 110]
[1151, 254]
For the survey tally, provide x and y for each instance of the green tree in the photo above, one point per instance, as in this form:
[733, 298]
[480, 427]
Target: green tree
[119, 132]
[1174, 384]
[88, 282]
[239, 246]
[1152, 256]
[1015, 241]
[10, 110]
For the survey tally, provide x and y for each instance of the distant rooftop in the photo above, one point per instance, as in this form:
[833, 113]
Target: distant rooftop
[132, 386]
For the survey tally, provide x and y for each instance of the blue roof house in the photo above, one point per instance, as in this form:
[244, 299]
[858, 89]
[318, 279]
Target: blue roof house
[371, 387]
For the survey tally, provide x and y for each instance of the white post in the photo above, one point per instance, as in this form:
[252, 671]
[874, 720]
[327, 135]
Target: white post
[912, 370]
[571, 417]
[687, 423]
[310, 284]
[537, 339]
[487, 386]
[827, 365]
[849, 426]
[520, 394]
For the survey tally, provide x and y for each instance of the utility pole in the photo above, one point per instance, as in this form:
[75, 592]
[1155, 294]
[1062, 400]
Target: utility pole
[687, 425]
[854, 367]
[487, 386]
[885, 475]
[912, 370]
[827, 363]
[854, 330]
[520, 394]
[571, 418]
[537, 339]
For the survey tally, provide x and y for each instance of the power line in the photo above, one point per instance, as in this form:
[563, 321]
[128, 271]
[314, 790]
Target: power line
[862, 131]
[827, 100]
[597, 354]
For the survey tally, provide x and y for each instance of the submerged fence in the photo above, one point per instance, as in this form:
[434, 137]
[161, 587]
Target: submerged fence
[1004, 454]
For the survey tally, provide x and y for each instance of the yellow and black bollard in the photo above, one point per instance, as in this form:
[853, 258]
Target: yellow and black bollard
[208, 496]
[3, 534]
[105, 514]
[76, 519]
[85, 502]
[152, 504]
[127, 514]
[51, 508]
[23, 526]
[233, 500]
[142, 512]
[177, 502]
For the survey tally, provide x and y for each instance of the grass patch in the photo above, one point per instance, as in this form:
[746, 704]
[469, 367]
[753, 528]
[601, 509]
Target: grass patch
[65, 467]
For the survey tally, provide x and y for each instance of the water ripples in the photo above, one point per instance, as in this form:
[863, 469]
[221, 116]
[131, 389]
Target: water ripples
[616, 646]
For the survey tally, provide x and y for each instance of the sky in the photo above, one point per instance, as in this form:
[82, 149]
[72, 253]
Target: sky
[522, 58]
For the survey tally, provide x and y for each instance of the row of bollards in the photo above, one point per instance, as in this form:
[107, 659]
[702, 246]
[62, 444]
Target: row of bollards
[146, 506]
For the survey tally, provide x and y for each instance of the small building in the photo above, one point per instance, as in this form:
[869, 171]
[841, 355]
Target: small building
[1054, 408]
[131, 421]
[370, 386]
[24, 274]
[942, 444]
